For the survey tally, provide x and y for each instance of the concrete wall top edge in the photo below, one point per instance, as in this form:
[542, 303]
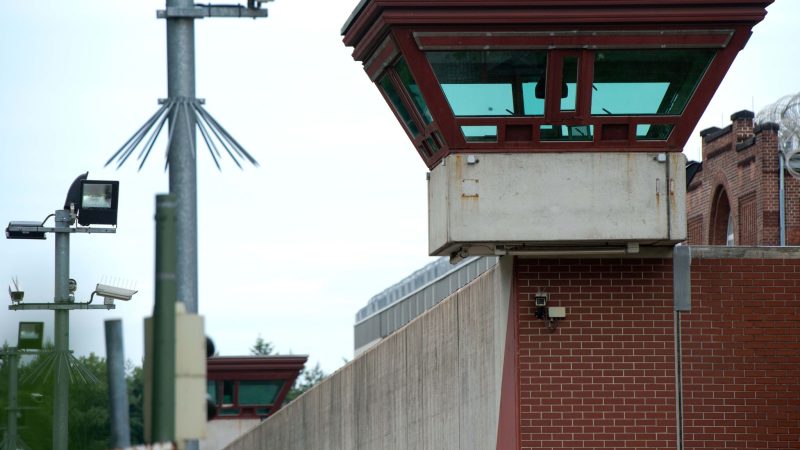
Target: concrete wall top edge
[709, 252]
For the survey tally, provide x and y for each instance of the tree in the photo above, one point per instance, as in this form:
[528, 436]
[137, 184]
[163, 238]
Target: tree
[306, 380]
[262, 347]
[89, 426]
[135, 381]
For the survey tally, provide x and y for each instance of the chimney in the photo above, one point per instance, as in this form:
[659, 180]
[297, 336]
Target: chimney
[742, 126]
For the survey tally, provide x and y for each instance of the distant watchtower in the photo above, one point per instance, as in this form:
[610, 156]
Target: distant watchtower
[551, 126]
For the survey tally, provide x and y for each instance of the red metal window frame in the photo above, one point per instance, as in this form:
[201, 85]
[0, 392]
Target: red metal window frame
[410, 43]
[247, 411]
[430, 144]
[252, 368]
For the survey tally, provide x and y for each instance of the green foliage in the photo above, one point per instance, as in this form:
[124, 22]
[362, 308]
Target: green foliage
[89, 426]
[135, 379]
[262, 347]
[306, 380]
[34, 422]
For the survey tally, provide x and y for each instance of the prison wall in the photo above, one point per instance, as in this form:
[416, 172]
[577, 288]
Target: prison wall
[432, 384]
[606, 377]
[741, 350]
[622, 370]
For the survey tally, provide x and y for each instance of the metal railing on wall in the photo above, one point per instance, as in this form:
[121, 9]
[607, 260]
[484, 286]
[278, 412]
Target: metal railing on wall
[389, 319]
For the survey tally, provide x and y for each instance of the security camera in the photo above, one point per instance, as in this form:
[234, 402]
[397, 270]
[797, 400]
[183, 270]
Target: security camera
[540, 301]
[15, 291]
[114, 293]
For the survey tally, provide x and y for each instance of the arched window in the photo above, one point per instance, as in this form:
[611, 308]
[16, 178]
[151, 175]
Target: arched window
[722, 229]
[729, 239]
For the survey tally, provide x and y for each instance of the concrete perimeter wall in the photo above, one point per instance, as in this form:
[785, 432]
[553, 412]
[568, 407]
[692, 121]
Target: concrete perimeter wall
[622, 370]
[433, 384]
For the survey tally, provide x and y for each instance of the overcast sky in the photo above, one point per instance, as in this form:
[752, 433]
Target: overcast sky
[290, 250]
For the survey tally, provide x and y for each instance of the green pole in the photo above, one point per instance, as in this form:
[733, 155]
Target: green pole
[163, 403]
[11, 427]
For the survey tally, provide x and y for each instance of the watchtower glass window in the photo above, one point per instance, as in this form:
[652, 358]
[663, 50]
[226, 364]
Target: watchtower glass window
[491, 83]
[646, 82]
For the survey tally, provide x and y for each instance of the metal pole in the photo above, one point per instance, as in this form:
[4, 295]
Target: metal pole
[163, 403]
[182, 161]
[11, 426]
[61, 383]
[781, 201]
[182, 157]
[679, 428]
[117, 388]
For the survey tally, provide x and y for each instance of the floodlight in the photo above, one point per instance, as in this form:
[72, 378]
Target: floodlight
[112, 293]
[98, 202]
[94, 201]
[30, 335]
[24, 230]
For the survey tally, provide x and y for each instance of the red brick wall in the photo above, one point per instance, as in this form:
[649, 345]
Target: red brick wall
[605, 378]
[694, 230]
[741, 355]
[748, 219]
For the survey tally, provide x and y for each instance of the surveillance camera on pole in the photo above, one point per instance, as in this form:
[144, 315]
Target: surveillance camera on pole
[88, 202]
[111, 293]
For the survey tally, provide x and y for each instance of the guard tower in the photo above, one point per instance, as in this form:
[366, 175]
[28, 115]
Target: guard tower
[551, 126]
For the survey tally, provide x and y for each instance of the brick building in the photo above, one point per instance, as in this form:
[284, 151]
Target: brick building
[607, 377]
[734, 196]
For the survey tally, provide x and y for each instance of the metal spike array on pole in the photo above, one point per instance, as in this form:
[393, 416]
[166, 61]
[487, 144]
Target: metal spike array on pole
[186, 115]
[182, 111]
[50, 360]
